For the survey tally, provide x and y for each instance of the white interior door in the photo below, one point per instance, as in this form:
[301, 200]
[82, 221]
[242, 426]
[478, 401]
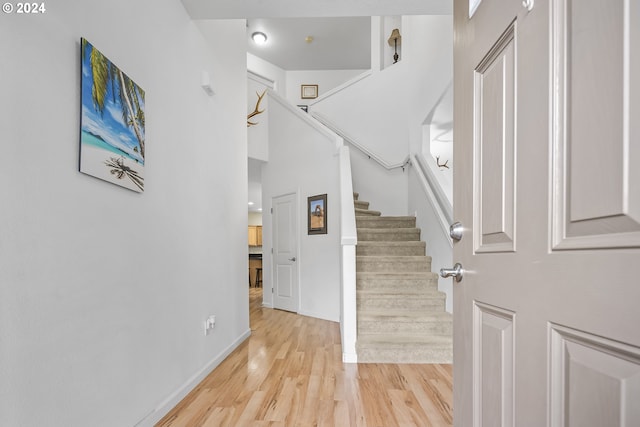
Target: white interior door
[285, 253]
[547, 186]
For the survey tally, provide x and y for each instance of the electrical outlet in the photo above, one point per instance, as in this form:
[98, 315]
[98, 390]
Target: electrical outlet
[209, 324]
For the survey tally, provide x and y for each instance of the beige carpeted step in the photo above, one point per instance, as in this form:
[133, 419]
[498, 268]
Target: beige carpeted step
[366, 212]
[395, 264]
[388, 234]
[397, 281]
[386, 222]
[405, 299]
[404, 322]
[359, 204]
[394, 348]
[390, 248]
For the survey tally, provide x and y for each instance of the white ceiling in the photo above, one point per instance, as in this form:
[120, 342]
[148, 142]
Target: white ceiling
[337, 43]
[225, 9]
[340, 28]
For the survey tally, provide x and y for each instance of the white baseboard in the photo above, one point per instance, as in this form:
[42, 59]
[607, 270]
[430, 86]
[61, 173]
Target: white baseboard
[170, 402]
[318, 316]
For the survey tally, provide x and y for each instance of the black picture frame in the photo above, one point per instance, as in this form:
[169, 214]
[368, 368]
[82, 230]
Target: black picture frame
[317, 214]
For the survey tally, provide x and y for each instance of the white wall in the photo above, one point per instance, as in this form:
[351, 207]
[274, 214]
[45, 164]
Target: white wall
[372, 112]
[255, 218]
[258, 133]
[267, 70]
[325, 79]
[385, 190]
[103, 291]
[438, 246]
[304, 161]
[428, 52]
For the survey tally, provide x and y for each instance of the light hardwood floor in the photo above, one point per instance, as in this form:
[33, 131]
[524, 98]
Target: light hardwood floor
[290, 373]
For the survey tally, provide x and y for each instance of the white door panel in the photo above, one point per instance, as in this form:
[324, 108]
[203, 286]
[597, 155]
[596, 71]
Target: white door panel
[547, 186]
[285, 253]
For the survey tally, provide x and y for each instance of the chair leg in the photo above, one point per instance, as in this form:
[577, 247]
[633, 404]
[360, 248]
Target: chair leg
[258, 277]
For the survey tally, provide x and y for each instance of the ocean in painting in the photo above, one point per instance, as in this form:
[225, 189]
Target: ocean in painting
[96, 141]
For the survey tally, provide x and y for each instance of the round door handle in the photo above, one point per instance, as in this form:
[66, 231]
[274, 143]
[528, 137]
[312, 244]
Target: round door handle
[455, 272]
[292, 259]
[456, 230]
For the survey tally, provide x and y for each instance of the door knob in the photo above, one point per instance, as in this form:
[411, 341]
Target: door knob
[455, 272]
[292, 259]
[455, 231]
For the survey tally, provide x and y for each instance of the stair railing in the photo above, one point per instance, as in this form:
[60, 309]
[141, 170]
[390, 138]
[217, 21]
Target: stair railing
[365, 150]
[434, 193]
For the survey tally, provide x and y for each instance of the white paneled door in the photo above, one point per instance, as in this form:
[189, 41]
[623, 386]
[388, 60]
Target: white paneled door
[285, 253]
[547, 187]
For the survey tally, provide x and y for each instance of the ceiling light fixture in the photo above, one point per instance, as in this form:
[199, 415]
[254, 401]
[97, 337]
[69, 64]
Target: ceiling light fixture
[259, 37]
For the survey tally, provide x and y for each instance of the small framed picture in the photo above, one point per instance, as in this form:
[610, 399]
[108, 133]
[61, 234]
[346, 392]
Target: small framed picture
[309, 91]
[304, 108]
[317, 214]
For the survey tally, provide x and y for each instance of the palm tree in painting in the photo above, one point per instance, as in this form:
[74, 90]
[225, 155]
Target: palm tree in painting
[131, 97]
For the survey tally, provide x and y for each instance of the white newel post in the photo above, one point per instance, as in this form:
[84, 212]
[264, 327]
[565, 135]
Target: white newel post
[349, 240]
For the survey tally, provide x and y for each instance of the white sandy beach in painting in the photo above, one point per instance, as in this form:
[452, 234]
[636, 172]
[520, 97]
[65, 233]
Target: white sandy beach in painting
[93, 161]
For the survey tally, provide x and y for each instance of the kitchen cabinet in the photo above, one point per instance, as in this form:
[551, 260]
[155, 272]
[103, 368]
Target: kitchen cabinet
[255, 235]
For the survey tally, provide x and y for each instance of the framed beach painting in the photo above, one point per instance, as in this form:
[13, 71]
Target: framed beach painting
[317, 214]
[112, 125]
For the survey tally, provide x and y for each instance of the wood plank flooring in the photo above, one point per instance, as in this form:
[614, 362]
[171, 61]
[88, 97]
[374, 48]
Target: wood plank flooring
[290, 373]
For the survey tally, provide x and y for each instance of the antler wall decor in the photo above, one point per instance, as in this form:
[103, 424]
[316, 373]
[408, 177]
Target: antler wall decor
[444, 165]
[256, 111]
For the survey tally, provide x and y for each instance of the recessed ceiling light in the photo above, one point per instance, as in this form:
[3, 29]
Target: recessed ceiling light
[250, 203]
[259, 37]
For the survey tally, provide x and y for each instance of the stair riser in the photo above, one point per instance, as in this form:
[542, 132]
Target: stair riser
[385, 222]
[389, 235]
[409, 302]
[364, 264]
[422, 354]
[411, 250]
[409, 327]
[360, 212]
[360, 204]
[393, 285]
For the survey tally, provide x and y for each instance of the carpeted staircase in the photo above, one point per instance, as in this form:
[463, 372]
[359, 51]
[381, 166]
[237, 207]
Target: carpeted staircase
[401, 315]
